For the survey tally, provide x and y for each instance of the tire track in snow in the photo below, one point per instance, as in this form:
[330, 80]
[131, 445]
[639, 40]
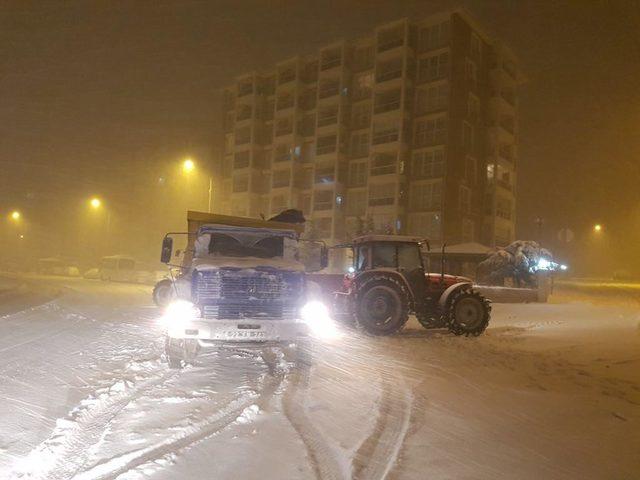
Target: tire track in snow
[63, 454]
[323, 460]
[378, 454]
[240, 406]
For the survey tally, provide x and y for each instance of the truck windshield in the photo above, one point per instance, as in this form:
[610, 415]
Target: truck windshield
[250, 246]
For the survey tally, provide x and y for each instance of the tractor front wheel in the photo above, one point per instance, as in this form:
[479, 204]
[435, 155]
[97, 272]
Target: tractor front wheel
[468, 313]
[382, 306]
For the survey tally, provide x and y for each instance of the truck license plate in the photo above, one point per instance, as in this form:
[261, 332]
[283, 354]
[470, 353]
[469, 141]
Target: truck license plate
[243, 334]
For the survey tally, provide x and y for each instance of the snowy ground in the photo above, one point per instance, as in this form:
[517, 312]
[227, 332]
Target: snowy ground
[550, 391]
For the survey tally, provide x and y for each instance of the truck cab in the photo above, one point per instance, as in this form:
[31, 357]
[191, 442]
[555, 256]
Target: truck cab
[246, 284]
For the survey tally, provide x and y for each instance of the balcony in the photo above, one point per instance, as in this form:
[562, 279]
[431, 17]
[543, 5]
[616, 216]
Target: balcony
[388, 75]
[285, 102]
[385, 136]
[387, 106]
[325, 120]
[389, 44]
[330, 63]
[245, 89]
[329, 90]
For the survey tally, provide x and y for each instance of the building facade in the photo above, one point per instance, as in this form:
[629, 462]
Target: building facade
[410, 130]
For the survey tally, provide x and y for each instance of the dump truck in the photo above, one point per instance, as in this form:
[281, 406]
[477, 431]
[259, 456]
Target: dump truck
[240, 281]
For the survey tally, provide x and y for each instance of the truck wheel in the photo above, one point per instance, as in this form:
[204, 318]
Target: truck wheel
[163, 292]
[382, 306]
[468, 313]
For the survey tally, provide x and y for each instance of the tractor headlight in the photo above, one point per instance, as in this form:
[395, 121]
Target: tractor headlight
[179, 311]
[316, 315]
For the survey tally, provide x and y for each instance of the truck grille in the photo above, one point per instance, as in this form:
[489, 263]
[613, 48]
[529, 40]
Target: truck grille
[237, 294]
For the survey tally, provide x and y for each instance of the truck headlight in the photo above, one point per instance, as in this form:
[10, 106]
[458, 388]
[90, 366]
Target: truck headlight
[316, 316]
[180, 311]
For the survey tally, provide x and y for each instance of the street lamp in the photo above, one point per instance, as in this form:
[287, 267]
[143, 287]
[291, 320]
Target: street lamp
[188, 165]
[16, 215]
[95, 203]
[597, 228]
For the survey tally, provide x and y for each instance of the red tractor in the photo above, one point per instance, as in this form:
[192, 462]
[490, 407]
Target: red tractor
[388, 282]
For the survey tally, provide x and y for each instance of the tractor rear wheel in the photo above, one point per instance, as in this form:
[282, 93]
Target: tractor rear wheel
[468, 313]
[382, 306]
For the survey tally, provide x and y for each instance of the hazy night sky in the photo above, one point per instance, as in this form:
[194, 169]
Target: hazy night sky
[109, 84]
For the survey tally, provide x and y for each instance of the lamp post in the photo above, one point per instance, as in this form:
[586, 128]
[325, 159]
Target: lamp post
[188, 167]
[96, 204]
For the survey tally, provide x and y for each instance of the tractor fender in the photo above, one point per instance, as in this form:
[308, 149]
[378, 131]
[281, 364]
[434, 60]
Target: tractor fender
[446, 295]
[382, 272]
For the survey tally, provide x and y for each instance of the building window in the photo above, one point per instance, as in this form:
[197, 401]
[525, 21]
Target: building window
[428, 164]
[244, 112]
[240, 183]
[285, 100]
[356, 202]
[385, 132]
[389, 70]
[243, 135]
[432, 99]
[465, 199]
[433, 67]
[387, 101]
[286, 74]
[329, 88]
[282, 153]
[325, 174]
[241, 160]
[245, 87]
[359, 145]
[430, 131]
[434, 36]
[280, 178]
[307, 125]
[284, 126]
[382, 194]
[326, 144]
[323, 200]
[304, 203]
[383, 164]
[426, 196]
[327, 115]
[331, 58]
[357, 174]
[503, 208]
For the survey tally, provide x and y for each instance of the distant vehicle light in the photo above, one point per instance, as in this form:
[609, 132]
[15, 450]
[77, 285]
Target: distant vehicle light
[543, 264]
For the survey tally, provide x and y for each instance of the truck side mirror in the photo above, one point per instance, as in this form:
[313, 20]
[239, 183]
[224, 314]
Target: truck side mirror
[167, 250]
[324, 257]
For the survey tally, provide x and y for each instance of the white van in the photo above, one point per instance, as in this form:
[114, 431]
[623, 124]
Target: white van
[118, 268]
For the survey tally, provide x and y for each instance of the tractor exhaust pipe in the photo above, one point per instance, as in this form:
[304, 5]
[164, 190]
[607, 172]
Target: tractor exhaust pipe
[442, 263]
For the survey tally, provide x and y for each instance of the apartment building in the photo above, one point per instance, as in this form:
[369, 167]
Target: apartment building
[410, 130]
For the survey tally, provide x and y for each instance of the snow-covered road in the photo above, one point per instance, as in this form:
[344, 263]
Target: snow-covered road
[550, 391]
